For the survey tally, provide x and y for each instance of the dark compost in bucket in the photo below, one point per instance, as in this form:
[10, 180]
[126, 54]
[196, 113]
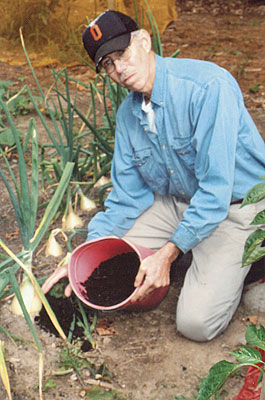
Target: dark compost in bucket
[113, 280]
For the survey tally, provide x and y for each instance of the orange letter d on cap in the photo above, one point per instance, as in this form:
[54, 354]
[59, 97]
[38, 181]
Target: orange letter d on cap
[95, 32]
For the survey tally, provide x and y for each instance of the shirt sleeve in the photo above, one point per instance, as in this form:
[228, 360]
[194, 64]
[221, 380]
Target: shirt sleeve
[216, 123]
[130, 196]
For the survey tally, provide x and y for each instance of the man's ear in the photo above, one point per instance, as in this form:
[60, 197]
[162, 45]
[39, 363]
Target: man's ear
[146, 40]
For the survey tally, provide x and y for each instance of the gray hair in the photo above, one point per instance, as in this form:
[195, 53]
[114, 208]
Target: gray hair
[136, 34]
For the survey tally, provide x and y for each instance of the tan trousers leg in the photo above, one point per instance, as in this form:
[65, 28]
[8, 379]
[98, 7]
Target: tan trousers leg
[213, 284]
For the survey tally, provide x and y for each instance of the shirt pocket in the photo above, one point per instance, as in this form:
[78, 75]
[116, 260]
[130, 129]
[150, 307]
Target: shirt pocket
[184, 151]
[154, 177]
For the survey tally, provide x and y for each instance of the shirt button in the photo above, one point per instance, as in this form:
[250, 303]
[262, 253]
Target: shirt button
[163, 146]
[161, 103]
[171, 171]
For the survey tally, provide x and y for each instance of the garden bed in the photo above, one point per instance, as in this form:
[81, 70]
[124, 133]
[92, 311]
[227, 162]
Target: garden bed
[146, 358]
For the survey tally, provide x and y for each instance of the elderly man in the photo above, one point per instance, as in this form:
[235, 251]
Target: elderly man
[186, 152]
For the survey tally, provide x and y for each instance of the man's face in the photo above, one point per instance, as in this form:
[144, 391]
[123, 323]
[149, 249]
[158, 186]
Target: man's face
[134, 67]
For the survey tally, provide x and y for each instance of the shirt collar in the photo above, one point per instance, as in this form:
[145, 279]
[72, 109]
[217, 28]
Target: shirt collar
[158, 92]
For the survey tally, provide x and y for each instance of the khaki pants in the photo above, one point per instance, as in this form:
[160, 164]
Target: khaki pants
[213, 283]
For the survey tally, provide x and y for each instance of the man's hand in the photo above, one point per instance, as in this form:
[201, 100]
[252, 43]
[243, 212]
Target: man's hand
[59, 273]
[154, 271]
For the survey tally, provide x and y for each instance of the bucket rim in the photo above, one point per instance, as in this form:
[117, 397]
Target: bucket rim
[74, 286]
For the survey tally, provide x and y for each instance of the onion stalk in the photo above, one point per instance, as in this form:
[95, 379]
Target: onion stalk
[3, 371]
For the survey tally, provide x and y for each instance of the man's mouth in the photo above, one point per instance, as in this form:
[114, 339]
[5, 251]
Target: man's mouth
[126, 79]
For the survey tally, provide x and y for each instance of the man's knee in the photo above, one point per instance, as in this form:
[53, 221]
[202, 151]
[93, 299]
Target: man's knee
[200, 326]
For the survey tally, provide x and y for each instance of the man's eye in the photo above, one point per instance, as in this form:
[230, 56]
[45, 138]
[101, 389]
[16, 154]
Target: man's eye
[107, 63]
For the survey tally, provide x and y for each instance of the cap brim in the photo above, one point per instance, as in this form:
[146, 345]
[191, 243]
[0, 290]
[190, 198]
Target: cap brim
[115, 44]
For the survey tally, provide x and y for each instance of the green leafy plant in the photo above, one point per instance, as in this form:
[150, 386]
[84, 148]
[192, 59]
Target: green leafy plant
[255, 337]
[253, 250]
[246, 356]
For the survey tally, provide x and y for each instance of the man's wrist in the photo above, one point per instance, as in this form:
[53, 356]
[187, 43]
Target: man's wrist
[172, 251]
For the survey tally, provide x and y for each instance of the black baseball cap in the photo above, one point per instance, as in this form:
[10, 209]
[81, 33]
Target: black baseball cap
[109, 32]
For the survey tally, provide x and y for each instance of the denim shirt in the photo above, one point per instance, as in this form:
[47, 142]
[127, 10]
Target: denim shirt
[207, 151]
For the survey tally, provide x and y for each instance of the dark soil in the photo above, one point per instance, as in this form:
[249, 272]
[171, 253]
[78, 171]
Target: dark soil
[68, 313]
[113, 281]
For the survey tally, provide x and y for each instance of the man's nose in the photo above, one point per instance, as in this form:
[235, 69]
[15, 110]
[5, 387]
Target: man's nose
[119, 65]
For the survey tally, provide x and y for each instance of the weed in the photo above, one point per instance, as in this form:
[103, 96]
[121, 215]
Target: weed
[87, 329]
[48, 384]
[96, 393]
[255, 89]
[17, 103]
[71, 358]
[212, 53]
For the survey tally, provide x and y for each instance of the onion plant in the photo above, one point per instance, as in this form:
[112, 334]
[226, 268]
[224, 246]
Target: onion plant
[156, 39]
[91, 157]
[24, 197]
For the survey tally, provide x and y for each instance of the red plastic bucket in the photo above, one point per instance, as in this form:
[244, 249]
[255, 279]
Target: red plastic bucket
[89, 256]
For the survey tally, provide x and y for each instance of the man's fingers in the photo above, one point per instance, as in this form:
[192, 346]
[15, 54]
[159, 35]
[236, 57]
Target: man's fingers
[139, 278]
[68, 290]
[142, 292]
[145, 287]
[58, 274]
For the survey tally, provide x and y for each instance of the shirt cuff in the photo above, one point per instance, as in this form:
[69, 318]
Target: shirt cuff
[184, 239]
